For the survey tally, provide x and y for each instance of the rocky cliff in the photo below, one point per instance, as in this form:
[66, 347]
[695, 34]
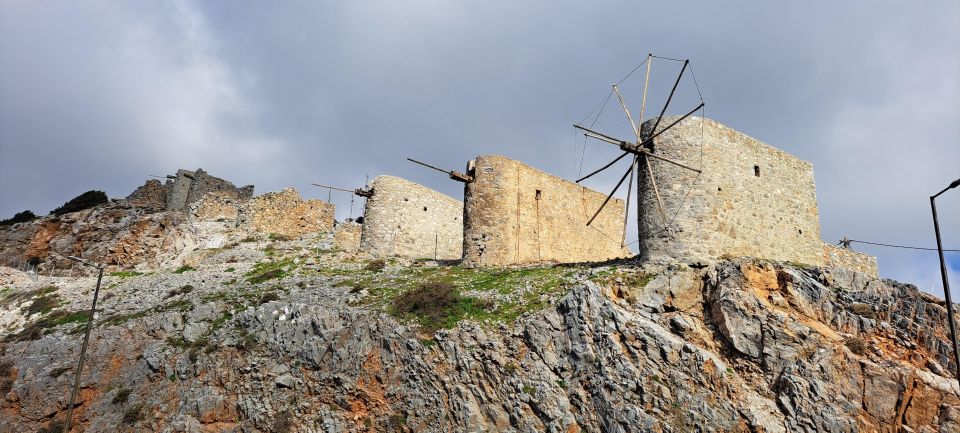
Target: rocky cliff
[289, 336]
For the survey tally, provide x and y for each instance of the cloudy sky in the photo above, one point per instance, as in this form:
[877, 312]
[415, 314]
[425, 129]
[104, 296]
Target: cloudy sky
[100, 94]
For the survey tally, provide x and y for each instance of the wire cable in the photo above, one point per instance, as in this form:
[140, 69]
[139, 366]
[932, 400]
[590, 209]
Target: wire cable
[900, 246]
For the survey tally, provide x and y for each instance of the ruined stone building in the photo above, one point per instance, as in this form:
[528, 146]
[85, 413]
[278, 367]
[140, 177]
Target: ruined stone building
[516, 214]
[751, 199]
[182, 190]
[284, 213]
[402, 218]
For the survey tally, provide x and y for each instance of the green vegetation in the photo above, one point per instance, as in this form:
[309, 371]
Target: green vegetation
[437, 305]
[230, 269]
[19, 217]
[279, 237]
[184, 268]
[125, 274]
[121, 397]
[265, 271]
[133, 414]
[376, 265]
[181, 291]
[856, 345]
[57, 372]
[83, 201]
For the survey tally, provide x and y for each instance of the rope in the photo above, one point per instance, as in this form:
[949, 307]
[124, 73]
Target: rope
[900, 246]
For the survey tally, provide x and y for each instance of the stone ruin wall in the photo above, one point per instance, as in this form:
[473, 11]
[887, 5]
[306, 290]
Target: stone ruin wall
[516, 214]
[844, 258]
[216, 206]
[152, 195]
[729, 210]
[190, 186]
[346, 236]
[405, 219]
[284, 213]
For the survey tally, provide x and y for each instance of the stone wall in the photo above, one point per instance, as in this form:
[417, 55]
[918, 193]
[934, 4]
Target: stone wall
[405, 219]
[216, 206]
[152, 195]
[346, 236]
[190, 186]
[751, 199]
[845, 258]
[284, 213]
[516, 214]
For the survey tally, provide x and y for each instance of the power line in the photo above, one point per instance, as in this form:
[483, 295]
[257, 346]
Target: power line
[897, 246]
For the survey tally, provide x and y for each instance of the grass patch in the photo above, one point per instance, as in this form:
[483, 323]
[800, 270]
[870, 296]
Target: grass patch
[270, 270]
[125, 274]
[279, 237]
[184, 268]
[230, 269]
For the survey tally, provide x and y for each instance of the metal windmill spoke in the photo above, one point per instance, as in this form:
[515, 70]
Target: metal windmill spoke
[604, 167]
[625, 110]
[611, 194]
[656, 190]
[626, 208]
[672, 91]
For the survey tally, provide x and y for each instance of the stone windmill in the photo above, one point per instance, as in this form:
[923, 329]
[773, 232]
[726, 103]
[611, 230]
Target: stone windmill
[641, 146]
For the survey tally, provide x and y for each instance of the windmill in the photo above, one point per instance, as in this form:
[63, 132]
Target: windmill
[365, 192]
[641, 148]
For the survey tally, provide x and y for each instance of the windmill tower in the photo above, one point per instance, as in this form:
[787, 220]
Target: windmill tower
[647, 164]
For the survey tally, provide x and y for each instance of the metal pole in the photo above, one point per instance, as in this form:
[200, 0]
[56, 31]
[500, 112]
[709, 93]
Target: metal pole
[946, 285]
[83, 354]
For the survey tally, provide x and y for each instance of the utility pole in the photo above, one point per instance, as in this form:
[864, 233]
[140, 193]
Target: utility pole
[86, 340]
[943, 273]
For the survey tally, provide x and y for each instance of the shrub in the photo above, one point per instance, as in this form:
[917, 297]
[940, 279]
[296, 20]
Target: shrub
[184, 268]
[83, 201]
[121, 397]
[133, 414]
[181, 291]
[376, 265]
[856, 345]
[20, 217]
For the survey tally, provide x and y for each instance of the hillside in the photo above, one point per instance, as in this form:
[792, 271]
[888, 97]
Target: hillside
[294, 336]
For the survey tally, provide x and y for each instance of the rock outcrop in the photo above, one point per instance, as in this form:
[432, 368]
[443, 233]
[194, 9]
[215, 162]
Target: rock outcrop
[116, 234]
[738, 346]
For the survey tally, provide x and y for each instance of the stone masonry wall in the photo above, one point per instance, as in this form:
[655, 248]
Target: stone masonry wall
[405, 219]
[516, 214]
[284, 213]
[151, 194]
[190, 186]
[216, 206]
[844, 258]
[346, 236]
[751, 199]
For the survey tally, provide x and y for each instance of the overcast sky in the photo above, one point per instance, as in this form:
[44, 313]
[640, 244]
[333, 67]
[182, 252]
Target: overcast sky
[100, 94]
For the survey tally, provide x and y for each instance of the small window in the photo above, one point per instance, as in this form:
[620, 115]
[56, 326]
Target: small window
[719, 189]
[756, 170]
[538, 194]
[800, 230]
[424, 208]
[406, 199]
